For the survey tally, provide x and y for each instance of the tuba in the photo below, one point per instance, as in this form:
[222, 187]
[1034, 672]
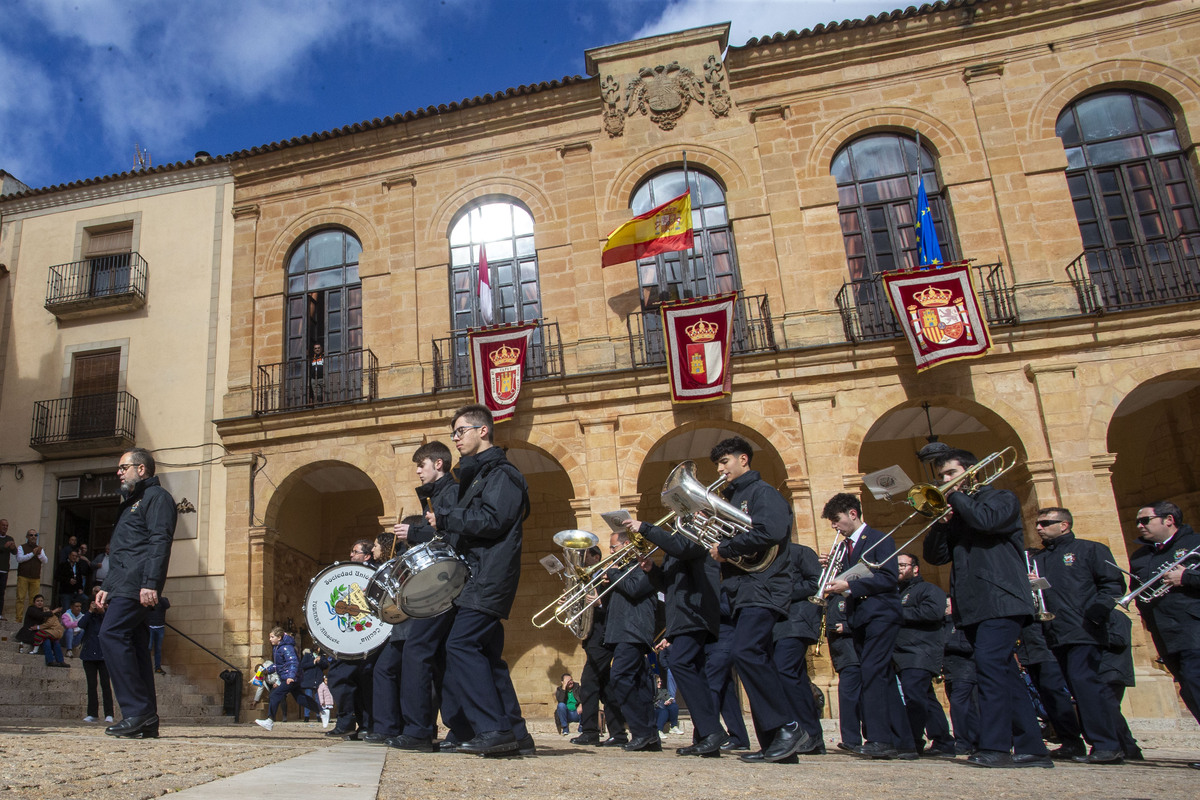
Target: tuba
[706, 519]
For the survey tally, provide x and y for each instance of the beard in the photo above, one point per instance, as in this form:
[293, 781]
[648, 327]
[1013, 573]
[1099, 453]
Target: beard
[128, 484]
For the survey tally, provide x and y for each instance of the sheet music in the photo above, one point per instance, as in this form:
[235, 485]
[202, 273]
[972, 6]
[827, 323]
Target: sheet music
[615, 518]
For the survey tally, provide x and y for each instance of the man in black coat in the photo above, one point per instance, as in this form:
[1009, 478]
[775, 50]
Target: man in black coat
[690, 580]
[920, 646]
[1084, 587]
[795, 634]
[962, 691]
[486, 519]
[352, 681]
[629, 631]
[873, 608]
[982, 538]
[1173, 618]
[760, 599]
[596, 679]
[141, 551]
[846, 664]
[718, 656]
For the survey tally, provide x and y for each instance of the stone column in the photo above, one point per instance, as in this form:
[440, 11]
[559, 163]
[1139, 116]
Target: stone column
[822, 460]
[603, 473]
[261, 597]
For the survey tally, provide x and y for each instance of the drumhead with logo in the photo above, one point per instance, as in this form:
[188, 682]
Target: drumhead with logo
[338, 615]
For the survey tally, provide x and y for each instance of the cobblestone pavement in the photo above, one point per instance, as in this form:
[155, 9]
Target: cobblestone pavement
[36, 762]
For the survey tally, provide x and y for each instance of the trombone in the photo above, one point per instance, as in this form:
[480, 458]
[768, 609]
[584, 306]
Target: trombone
[930, 501]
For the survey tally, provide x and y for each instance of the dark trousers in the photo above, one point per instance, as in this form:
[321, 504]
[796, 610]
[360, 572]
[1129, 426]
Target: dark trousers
[1093, 698]
[874, 642]
[630, 682]
[385, 689]
[280, 693]
[423, 665]
[3, 586]
[770, 708]
[478, 675]
[922, 708]
[1056, 698]
[595, 685]
[793, 671]
[97, 671]
[1129, 745]
[125, 640]
[964, 714]
[849, 704]
[691, 678]
[728, 699]
[1007, 720]
[1185, 666]
[351, 684]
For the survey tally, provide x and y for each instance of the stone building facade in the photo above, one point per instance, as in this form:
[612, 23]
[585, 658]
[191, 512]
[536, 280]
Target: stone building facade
[1057, 145]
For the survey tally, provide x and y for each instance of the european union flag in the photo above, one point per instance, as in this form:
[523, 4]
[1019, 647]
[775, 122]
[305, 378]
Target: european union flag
[927, 242]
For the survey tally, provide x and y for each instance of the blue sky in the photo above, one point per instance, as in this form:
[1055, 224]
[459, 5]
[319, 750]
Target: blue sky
[82, 81]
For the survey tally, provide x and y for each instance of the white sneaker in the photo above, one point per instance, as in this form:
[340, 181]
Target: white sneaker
[108, 718]
[89, 718]
[325, 718]
[266, 723]
[678, 731]
[20, 649]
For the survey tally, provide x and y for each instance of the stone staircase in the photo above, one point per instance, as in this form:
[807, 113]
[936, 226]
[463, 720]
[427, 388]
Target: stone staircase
[35, 691]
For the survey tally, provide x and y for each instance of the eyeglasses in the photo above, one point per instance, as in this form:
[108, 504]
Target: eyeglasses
[461, 429]
[123, 467]
[1045, 523]
[1146, 520]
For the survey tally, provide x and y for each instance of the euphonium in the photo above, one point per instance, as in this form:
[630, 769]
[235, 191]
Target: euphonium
[706, 519]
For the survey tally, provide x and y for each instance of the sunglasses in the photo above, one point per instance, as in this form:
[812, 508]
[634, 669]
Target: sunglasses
[1146, 520]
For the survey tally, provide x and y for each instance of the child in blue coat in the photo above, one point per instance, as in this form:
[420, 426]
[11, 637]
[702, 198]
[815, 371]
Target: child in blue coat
[287, 667]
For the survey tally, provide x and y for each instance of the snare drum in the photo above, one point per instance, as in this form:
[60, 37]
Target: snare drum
[424, 581]
[338, 614]
[383, 593]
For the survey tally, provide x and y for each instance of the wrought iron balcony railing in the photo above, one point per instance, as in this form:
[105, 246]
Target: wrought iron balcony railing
[752, 331]
[103, 283]
[89, 423]
[338, 379]
[452, 359]
[1137, 276]
[867, 315]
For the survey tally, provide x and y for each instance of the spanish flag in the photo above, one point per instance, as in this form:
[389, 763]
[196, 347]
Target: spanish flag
[659, 230]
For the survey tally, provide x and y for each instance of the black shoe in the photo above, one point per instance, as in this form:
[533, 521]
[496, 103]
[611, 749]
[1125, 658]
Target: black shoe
[526, 746]
[907, 755]
[1068, 751]
[757, 758]
[939, 751]
[377, 738]
[644, 744]
[490, 743]
[341, 731]
[819, 750]
[406, 742]
[992, 758]
[731, 745]
[587, 738]
[1101, 757]
[134, 725]
[1134, 754]
[849, 748]
[709, 746]
[788, 743]
[448, 746]
[615, 741]
[875, 750]
[1194, 764]
[1032, 760]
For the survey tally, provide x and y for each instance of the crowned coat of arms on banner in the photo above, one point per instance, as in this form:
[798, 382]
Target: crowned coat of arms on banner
[505, 374]
[939, 320]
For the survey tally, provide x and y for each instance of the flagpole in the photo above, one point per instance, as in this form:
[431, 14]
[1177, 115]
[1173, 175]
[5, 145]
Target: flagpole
[691, 265]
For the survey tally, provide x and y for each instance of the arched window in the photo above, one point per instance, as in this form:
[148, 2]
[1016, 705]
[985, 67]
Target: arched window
[1134, 198]
[504, 229]
[711, 267]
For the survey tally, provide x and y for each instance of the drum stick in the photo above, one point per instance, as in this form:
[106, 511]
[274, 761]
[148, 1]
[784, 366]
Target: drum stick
[399, 520]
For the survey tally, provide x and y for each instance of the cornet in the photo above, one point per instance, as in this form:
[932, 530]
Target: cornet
[1155, 585]
[1038, 585]
[833, 565]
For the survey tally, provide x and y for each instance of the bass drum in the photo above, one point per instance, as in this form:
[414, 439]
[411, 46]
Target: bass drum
[424, 581]
[338, 615]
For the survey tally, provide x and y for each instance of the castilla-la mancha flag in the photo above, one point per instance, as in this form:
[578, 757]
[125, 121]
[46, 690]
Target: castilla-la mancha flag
[698, 333]
[940, 314]
[660, 230]
[497, 366]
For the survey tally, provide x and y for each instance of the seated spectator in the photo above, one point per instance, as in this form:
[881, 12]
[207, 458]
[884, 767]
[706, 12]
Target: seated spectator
[566, 696]
[35, 615]
[70, 621]
[665, 708]
[47, 635]
[94, 669]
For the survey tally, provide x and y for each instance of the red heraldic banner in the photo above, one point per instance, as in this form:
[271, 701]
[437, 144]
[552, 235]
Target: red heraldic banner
[940, 314]
[497, 366]
[698, 333]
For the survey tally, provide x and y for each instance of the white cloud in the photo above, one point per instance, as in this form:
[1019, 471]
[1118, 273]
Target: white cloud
[761, 18]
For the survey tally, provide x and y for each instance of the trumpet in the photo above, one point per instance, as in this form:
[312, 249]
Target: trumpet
[833, 565]
[573, 608]
[1038, 585]
[706, 519]
[1155, 586]
[930, 501]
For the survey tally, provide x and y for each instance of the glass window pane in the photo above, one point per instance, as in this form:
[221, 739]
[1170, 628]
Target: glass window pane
[460, 233]
[1066, 129]
[714, 215]
[325, 279]
[333, 300]
[1106, 115]
[354, 317]
[297, 261]
[877, 156]
[522, 221]
[460, 256]
[1163, 142]
[295, 284]
[525, 246]
[352, 274]
[1075, 158]
[503, 272]
[497, 251]
[335, 341]
[1116, 151]
[1154, 114]
[353, 250]
[325, 250]
[528, 271]
[495, 222]
[841, 167]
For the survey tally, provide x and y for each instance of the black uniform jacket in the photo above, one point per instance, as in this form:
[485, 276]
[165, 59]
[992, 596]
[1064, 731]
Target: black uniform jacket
[841, 644]
[691, 582]
[1084, 586]
[140, 548]
[959, 661]
[1116, 660]
[631, 607]
[874, 597]
[804, 618]
[984, 539]
[771, 524]
[1174, 618]
[921, 641]
[1031, 646]
[441, 496]
[493, 501]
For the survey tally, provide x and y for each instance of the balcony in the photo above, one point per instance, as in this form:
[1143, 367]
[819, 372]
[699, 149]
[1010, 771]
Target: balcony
[1137, 276]
[752, 331]
[452, 359]
[867, 315]
[93, 424]
[100, 285]
[341, 379]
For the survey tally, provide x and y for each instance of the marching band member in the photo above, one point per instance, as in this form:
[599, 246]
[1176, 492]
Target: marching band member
[596, 679]
[793, 636]
[630, 631]
[849, 671]
[719, 668]
[918, 654]
[961, 686]
[385, 679]
[351, 682]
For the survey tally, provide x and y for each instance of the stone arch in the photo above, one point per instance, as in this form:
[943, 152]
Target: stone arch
[1106, 397]
[274, 501]
[437, 229]
[1179, 91]
[544, 443]
[329, 217]
[716, 162]
[935, 134]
